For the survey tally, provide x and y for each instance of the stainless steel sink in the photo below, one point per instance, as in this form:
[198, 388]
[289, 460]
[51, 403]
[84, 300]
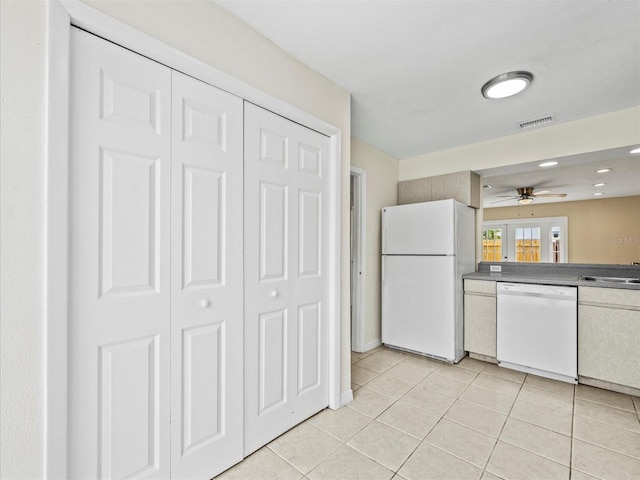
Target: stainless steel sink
[611, 279]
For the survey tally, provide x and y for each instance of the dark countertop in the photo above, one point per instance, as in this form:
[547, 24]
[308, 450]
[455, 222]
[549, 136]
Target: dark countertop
[570, 280]
[554, 276]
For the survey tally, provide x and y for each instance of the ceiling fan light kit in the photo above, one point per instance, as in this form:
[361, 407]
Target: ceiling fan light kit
[526, 195]
[507, 84]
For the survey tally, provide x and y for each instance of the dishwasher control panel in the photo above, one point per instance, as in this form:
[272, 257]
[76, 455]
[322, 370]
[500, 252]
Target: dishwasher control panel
[529, 289]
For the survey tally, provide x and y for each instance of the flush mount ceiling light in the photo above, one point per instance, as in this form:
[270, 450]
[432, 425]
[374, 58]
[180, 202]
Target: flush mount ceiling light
[597, 194]
[603, 170]
[548, 164]
[506, 85]
[599, 184]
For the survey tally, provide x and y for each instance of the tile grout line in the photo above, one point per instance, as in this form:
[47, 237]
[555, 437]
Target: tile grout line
[421, 442]
[373, 419]
[291, 464]
[573, 421]
[574, 397]
[598, 420]
[502, 429]
[457, 400]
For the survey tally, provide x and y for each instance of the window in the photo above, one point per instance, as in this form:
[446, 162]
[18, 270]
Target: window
[492, 245]
[541, 240]
[527, 244]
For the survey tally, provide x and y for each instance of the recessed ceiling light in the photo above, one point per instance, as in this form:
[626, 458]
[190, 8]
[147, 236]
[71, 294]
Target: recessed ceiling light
[597, 194]
[635, 150]
[506, 85]
[548, 164]
[603, 170]
[598, 184]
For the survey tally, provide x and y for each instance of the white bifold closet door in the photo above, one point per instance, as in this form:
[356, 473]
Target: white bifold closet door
[286, 287]
[155, 303]
[206, 277]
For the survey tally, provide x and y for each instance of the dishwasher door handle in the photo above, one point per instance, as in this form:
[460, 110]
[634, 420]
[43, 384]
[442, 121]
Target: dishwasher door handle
[546, 295]
[528, 294]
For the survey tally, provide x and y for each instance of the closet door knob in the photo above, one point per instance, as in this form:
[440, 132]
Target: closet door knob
[205, 303]
[274, 293]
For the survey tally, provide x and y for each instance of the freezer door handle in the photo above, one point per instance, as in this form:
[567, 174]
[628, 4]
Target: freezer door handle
[384, 237]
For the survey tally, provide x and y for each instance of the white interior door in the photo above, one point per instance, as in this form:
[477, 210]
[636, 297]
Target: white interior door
[206, 293]
[119, 305]
[156, 302]
[286, 274]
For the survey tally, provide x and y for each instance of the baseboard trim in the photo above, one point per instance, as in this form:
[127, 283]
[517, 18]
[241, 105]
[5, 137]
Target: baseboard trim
[346, 397]
[614, 387]
[484, 358]
[372, 345]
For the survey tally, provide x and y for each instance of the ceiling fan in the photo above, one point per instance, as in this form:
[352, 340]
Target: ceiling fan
[526, 195]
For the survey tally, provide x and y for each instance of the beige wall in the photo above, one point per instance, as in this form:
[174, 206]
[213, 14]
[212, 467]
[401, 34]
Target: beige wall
[600, 231]
[382, 180]
[200, 29]
[591, 134]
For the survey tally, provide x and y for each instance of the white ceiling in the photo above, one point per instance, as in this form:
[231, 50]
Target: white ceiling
[415, 68]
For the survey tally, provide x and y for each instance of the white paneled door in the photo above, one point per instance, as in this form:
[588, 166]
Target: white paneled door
[155, 348]
[206, 278]
[286, 274]
[119, 307]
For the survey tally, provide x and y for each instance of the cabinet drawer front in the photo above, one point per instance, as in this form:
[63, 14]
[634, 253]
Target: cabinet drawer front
[615, 297]
[480, 286]
[608, 344]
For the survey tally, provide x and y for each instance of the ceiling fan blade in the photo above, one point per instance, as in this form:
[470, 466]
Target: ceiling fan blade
[505, 200]
[507, 196]
[551, 195]
[541, 192]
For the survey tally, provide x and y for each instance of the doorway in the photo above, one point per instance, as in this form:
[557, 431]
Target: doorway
[358, 256]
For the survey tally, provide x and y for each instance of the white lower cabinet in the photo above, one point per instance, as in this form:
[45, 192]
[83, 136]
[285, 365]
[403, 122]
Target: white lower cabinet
[480, 315]
[198, 272]
[608, 336]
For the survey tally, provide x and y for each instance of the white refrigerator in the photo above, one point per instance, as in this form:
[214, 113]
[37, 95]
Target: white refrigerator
[426, 248]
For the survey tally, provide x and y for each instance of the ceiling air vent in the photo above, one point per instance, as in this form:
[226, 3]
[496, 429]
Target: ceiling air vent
[538, 122]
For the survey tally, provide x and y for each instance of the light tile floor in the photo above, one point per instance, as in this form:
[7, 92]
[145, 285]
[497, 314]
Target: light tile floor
[413, 418]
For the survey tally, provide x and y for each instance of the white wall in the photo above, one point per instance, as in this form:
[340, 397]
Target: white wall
[382, 188]
[591, 134]
[22, 74]
[200, 29]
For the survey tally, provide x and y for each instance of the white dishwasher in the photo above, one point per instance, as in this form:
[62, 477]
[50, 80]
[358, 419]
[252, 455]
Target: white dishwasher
[537, 330]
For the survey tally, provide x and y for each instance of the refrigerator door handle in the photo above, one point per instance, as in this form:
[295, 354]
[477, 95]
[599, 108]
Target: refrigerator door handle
[383, 273]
